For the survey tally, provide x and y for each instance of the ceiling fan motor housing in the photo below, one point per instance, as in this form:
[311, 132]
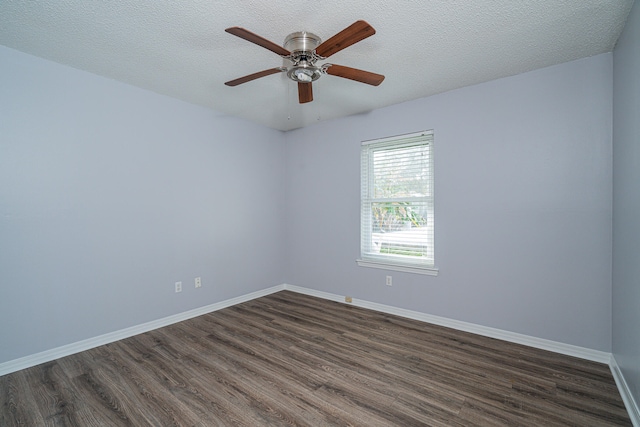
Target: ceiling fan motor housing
[302, 46]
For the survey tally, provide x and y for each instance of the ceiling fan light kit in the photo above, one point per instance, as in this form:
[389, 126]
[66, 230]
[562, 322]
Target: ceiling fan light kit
[300, 52]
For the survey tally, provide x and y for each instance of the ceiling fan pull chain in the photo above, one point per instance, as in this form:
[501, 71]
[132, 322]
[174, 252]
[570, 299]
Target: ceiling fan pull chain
[288, 102]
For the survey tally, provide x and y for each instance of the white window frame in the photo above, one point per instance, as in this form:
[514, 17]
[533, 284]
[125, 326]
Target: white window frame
[369, 256]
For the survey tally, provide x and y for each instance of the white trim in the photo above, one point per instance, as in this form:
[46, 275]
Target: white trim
[544, 344]
[69, 349]
[430, 271]
[625, 393]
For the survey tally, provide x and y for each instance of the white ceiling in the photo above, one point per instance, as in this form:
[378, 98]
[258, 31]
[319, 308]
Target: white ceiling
[180, 48]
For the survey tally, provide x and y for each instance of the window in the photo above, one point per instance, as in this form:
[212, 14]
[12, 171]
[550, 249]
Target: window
[397, 203]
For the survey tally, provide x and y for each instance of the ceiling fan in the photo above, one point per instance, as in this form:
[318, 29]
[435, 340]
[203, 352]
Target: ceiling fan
[302, 50]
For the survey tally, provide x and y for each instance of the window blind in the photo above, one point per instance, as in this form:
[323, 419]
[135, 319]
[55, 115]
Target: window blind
[397, 224]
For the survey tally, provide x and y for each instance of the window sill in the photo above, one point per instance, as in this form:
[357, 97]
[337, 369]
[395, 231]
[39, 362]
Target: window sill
[429, 271]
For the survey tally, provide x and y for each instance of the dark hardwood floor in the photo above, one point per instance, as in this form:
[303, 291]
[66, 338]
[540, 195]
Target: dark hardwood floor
[291, 359]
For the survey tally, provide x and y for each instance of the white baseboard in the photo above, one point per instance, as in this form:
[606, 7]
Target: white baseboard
[67, 350]
[557, 347]
[625, 393]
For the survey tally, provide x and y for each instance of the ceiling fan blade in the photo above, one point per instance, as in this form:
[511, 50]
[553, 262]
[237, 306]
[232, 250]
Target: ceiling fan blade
[355, 32]
[254, 76]
[260, 41]
[305, 93]
[355, 74]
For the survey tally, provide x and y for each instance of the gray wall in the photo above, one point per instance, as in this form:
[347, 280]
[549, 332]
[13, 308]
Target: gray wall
[522, 204]
[626, 203]
[109, 194]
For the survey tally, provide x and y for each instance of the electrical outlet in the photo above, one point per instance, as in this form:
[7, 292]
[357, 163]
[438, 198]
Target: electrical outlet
[389, 281]
[348, 299]
[178, 286]
[198, 282]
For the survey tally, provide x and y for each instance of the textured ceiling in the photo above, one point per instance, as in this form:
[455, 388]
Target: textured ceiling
[180, 48]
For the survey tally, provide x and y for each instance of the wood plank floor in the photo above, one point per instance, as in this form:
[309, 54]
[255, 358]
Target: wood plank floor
[291, 359]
